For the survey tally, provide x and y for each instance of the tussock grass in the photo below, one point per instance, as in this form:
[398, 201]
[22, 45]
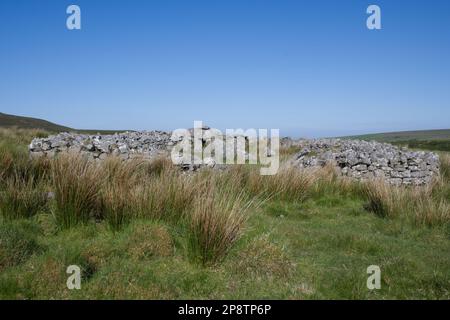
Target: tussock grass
[116, 205]
[423, 206]
[20, 198]
[76, 184]
[444, 158]
[216, 223]
[289, 184]
[384, 200]
[431, 212]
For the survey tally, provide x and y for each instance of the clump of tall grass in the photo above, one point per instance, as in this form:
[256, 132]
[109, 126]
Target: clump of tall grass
[21, 198]
[328, 180]
[167, 196]
[289, 184]
[158, 166]
[14, 156]
[116, 206]
[216, 222]
[431, 212]
[15, 161]
[444, 159]
[383, 199]
[12, 160]
[117, 203]
[422, 205]
[155, 190]
[76, 184]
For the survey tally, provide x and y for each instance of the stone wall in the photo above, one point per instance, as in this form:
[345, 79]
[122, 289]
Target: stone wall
[126, 145]
[353, 158]
[365, 160]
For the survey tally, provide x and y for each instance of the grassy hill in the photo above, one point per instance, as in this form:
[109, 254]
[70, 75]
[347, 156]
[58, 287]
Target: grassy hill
[421, 139]
[420, 135]
[10, 121]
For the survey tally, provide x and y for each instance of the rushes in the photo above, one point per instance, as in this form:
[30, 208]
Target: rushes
[116, 206]
[424, 206]
[382, 199]
[76, 184]
[431, 213]
[216, 223]
[20, 198]
[289, 184]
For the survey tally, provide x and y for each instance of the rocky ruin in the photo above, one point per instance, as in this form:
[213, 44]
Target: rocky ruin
[127, 145]
[365, 160]
[353, 158]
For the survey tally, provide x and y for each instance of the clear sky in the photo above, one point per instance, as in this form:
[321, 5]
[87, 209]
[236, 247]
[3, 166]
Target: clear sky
[309, 68]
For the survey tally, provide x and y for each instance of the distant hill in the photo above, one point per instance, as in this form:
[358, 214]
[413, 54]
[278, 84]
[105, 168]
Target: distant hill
[421, 139]
[420, 135]
[9, 121]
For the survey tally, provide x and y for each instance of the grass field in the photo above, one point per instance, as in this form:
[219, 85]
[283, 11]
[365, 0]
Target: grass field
[147, 231]
[426, 139]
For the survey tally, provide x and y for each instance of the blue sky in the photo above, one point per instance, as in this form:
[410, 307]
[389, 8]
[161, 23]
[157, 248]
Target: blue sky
[309, 68]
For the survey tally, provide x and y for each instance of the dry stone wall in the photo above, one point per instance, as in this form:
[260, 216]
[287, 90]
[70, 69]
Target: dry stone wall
[126, 145]
[354, 158]
[365, 160]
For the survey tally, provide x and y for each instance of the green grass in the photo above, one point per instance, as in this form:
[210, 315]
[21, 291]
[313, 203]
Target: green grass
[147, 231]
[314, 250]
[438, 140]
[421, 135]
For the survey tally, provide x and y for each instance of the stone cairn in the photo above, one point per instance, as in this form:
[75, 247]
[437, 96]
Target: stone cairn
[365, 160]
[354, 158]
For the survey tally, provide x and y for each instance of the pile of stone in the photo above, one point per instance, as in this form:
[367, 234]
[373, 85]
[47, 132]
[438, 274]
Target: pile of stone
[146, 144]
[365, 160]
